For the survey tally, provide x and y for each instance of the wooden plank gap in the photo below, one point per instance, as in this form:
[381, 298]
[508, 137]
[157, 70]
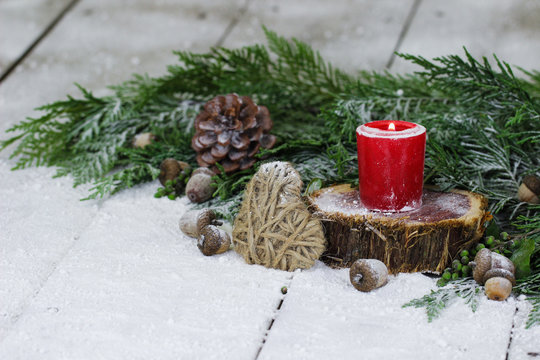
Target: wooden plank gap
[273, 319]
[511, 333]
[234, 21]
[408, 21]
[30, 48]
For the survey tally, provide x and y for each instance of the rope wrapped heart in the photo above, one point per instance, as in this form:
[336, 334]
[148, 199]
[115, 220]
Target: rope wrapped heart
[274, 227]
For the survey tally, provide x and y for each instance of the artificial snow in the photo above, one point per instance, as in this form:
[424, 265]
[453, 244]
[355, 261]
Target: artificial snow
[327, 203]
[116, 279]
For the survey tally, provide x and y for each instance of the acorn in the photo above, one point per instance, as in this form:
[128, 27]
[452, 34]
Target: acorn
[498, 288]
[529, 190]
[170, 169]
[207, 217]
[188, 223]
[488, 264]
[143, 139]
[199, 187]
[213, 240]
[192, 222]
[368, 274]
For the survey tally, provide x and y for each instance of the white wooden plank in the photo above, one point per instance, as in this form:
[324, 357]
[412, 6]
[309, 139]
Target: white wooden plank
[525, 342]
[508, 29]
[324, 317]
[102, 43]
[134, 287]
[21, 22]
[352, 35]
[98, 44]
[40, 219]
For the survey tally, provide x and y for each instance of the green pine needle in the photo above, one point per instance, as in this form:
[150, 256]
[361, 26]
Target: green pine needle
[483, 125]
[438, 300]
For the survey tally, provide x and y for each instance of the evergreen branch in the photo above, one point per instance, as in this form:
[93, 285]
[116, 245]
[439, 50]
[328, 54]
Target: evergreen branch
[534, 315]
[436, 301]
[482, 123]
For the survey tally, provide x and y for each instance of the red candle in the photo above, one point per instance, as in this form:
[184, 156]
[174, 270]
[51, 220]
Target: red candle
[391, 164]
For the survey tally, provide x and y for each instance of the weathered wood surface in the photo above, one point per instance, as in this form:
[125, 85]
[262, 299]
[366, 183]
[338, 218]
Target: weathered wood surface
[426, 239]
[102, 42]
[19, 29]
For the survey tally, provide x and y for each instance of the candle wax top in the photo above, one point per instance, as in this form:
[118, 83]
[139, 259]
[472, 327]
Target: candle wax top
[384, 129]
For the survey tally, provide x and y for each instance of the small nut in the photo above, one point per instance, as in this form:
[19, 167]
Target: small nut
[488, 264]
[170, 169]
[142, 140]
[199, 187]
[498, 288]
[188, 223]
[368, 274]
[529, 190]
[213, 240]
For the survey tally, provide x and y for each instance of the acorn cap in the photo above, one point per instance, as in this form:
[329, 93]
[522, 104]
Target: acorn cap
[499, 273]
[368, 274]
[533, 183]
[213, 240]
[204, 218]
[529, 190]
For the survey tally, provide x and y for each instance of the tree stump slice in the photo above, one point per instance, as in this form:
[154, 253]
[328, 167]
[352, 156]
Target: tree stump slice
[426, 239]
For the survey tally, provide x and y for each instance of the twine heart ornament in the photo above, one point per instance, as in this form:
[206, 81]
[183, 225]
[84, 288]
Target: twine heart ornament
[274, 227]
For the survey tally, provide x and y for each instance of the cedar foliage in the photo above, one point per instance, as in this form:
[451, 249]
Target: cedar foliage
[483, 125]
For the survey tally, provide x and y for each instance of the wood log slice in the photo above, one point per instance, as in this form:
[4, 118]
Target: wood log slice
[426, 239]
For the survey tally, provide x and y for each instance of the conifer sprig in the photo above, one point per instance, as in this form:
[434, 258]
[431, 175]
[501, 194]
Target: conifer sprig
[483, 124]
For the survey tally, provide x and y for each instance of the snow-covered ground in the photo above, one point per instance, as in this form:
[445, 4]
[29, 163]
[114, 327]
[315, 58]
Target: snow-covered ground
[116, 279]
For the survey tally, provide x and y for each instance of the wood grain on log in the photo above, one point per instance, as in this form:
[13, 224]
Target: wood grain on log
[426, 239]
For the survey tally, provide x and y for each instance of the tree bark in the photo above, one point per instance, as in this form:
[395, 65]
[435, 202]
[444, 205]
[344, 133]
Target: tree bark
[426, 239]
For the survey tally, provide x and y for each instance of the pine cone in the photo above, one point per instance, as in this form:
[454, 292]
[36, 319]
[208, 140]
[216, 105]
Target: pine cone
[229, 131]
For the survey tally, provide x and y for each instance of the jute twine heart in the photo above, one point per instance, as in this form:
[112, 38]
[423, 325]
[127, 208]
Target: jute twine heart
[274, 227]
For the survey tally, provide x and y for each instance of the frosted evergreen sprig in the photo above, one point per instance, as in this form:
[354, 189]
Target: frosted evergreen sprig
[437, 300]
[483, 124]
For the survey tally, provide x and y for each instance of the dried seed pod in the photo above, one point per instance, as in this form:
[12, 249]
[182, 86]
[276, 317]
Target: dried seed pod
[368, 274]
[142, 140]
[170, 169]
[488, 264]
[229, 131]
[498, 288]
[199, 187]
[213, 240]
[529, 190]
